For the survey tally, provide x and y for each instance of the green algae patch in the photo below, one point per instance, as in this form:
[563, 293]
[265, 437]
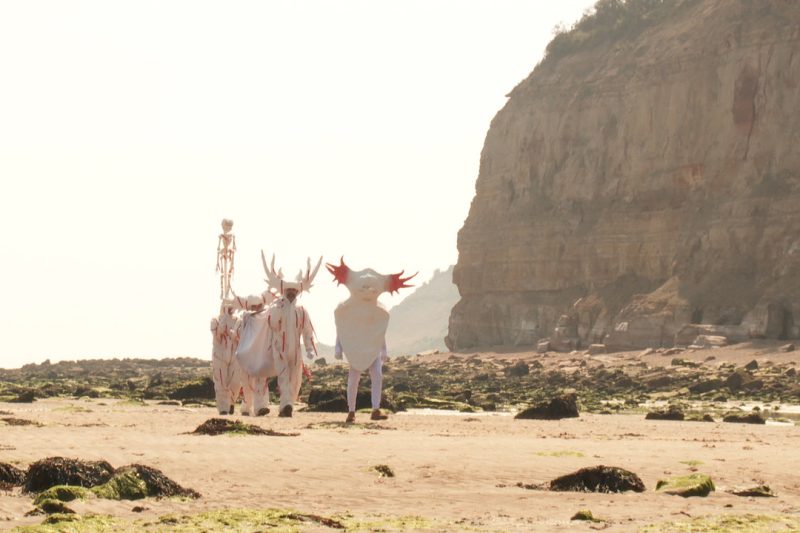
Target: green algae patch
[62, 493]
[561, 453]
[62, 523]
[123, 486]
[395, 523]
[273, 520]
[692, 485]
[50, 506]
[745, 523]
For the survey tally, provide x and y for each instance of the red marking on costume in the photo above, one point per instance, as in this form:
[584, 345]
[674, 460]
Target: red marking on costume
[340, 272]
[396, 282]
[306, 372]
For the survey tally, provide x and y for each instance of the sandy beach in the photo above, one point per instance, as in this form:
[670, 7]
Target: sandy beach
[454, 471]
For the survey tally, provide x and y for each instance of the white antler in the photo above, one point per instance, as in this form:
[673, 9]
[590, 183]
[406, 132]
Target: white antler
[308, 279]
[273, 278]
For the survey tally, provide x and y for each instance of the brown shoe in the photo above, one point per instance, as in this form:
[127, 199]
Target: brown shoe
[286, 412]
[264, 411]
[351, 417]
[377, 415]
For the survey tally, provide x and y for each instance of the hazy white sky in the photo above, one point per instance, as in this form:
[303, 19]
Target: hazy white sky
[128, 130]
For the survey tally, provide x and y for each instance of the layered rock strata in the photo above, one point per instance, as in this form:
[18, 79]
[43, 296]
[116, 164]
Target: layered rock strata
[641, 185]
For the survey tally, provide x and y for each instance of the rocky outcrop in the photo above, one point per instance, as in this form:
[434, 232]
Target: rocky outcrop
[645, 182]
[419, 322]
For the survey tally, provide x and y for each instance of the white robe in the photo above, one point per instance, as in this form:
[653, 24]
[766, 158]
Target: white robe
[361, 331]
[224, 368]
[288, 323]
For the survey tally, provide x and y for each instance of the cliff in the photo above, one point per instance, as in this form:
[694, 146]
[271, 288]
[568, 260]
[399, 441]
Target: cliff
[642, 178]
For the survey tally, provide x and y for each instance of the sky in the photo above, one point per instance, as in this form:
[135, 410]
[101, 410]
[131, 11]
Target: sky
[130, 129]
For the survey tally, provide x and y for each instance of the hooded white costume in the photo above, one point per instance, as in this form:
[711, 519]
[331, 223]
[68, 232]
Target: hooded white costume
[254, 363]
[224, 368]
[361, 323]
[287, 323]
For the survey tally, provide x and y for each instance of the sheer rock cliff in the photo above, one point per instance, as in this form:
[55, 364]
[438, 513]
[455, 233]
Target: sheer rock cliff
[632, 187]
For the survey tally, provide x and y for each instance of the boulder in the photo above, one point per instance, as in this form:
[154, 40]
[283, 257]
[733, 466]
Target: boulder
[744, 418]
[555, 409]
[673, 412]
[709, 341]
[707, 385]
[598, 479]
[518, 369]
[595, 349]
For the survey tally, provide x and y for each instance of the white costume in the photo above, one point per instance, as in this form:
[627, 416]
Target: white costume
[288, 322]
[361, 323]
[255, 368]
[223, 363]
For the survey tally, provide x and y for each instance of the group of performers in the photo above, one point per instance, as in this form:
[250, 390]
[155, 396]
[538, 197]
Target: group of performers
[258, 337]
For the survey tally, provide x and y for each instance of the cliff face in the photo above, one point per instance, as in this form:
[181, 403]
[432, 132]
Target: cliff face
[641, 185]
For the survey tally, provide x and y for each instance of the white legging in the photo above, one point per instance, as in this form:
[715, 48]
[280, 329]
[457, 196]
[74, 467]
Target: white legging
[376, 380]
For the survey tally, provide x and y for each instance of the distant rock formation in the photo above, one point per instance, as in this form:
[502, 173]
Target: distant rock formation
[419, 322]
[642, 179]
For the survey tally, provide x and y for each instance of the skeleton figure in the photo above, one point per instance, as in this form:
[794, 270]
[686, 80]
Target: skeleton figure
[224, 367]
[226, 249]
[289, 322]
[361, 323]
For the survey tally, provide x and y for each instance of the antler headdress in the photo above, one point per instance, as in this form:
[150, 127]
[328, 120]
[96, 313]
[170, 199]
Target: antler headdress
[276, 282]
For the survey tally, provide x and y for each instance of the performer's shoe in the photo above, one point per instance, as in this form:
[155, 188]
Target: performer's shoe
[377, 415]
[223, 413]
[230, 411]
[351, 417]
[264, 411]
[286, 412]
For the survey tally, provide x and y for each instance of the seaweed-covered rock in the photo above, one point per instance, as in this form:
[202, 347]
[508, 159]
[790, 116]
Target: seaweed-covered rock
[54, 471]
[123, 486]
[686, 486]
[744, 418]
[11, 475]
[158, 485]
[673, 412]
[324, 400]
[586, 515]
[52, 507]
[218, 426]
[598, 479]
[707, 385]
[26, 396]
[62, 493]
[557, 408]
[195, 390]
[517, 370]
